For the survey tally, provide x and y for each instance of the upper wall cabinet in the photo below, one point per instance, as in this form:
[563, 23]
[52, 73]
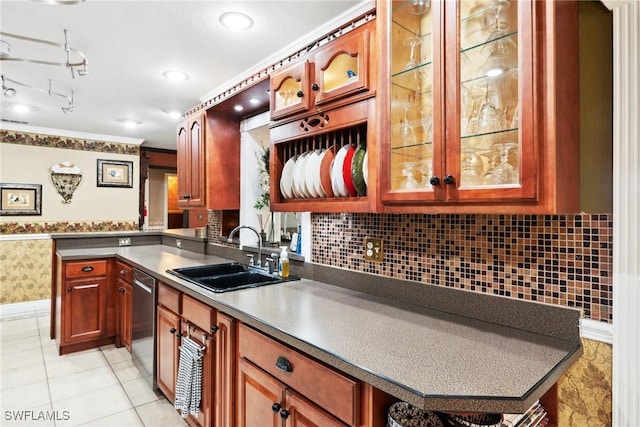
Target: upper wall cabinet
[337, 70]
[191, 160]
[209, 161]
[321, 110]
[477, 110]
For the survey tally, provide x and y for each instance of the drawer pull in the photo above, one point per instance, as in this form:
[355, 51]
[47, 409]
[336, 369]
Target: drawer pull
[121, 290]
[173, 330]
[87, 268]
[123, 272]
[283, 364]
[275, 407]
[214, 328]
[284, 414]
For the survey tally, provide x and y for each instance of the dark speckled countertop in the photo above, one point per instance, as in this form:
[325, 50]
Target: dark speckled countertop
[430, 358]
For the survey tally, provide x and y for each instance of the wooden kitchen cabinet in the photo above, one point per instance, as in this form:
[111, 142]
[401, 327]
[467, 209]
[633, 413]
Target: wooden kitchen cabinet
[473, 114]
[85, 301]
[124, 304]
[167, 342]
[191, 162]
[179, 316]
[337, 70]
[279, 384]
[320, 104]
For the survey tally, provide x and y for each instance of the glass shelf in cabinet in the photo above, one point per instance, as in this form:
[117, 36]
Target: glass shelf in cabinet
[505, 36]
[411, 146]
[484, 141]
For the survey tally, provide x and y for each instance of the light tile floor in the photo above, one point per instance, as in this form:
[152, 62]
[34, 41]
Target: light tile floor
[98, 387]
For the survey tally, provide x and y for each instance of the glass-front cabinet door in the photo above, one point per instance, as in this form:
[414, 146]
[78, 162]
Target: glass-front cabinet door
[461, 102]
[491, 151]
[416, 101]
[290, 91]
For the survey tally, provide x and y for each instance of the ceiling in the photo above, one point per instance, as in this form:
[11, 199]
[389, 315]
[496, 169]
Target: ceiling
[129, 44]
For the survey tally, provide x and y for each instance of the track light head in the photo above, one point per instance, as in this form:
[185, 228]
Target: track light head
[8, 91]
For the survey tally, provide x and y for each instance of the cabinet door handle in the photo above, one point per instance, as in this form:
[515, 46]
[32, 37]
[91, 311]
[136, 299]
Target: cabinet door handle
[121, 290]
[179, 335]
[434, 180]
[123, 272]
[87, 268]
[315, 87]
[449, 179]
[275, 407]
[299, 94]
[69, 289]
[284, 414]
[214, 328]
[173, 330]
[283, 364]
[186, 196]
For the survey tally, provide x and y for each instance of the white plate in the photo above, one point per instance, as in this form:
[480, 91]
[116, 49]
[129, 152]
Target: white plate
[365, 168]
[295, 178]
[300, 177]
[336, 173]
[310, 173]
[285, 180]
[317, 185]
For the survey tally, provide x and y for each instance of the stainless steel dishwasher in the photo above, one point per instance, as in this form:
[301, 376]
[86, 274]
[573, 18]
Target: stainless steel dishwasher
[143, 345]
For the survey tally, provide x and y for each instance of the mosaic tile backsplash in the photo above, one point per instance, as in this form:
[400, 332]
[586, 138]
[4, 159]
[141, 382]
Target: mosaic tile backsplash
[559, 259]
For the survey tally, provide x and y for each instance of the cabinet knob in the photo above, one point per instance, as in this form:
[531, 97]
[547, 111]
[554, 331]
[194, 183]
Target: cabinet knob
[275, 407]
[123, 272]
[448, 179]
[186, 196]
[121, 290]
[283, 364]
[284, 414]
[299, 94]
[173, 330]
[434, 180]
[315, 87]
[179, 334]
[69, 289]
[87, 268]
[214, 328]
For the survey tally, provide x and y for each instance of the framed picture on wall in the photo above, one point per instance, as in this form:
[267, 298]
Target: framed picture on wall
[115, 173]
[20, 199]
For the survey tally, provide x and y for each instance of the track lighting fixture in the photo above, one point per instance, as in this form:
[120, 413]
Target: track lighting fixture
[50, 91]
[75, 65]
[7, 91]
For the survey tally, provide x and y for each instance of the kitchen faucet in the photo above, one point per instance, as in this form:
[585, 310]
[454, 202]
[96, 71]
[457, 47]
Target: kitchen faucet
[235, 230]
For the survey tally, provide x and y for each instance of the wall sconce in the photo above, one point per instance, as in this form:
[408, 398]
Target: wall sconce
[66, 177]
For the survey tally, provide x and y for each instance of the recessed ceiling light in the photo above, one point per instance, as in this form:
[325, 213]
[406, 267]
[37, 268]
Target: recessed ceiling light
[60, 2]
[175, 76]
[254, 101]
[18, 108]
[238, 108]
[130, 123]
[174, 114]
[236, 21]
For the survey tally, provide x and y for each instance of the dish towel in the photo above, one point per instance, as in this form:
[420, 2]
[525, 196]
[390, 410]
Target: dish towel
[189, 383]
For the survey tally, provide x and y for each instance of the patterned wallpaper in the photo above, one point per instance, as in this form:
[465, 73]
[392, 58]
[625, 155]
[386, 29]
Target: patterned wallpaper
[65, 227]
[69, 143]
[584, 391]
[558, 259]
[25, 270]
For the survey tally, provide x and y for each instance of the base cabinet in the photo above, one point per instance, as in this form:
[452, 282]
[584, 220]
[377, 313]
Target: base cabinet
[86, 297]
[180, 316]
[124, 287]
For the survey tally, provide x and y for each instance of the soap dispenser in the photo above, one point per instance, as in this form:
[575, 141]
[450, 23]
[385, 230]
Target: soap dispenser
[283, 263]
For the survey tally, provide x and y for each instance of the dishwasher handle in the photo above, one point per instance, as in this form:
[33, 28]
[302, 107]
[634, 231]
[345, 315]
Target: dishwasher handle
[143, 286]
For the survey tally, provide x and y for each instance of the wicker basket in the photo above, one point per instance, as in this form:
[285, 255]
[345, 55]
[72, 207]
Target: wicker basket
[402, 414]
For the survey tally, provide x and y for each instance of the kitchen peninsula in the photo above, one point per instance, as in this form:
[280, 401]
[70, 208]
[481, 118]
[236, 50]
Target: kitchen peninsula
[449, 350]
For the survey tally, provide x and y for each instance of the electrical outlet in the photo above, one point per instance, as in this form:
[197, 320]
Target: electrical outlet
[124, 241]
[373, 249]
[178, 243]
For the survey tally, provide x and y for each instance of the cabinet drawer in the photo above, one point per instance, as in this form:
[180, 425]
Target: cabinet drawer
[124, 271]
[329, 389]
[170, 298]
[197, 313]
[88, 268]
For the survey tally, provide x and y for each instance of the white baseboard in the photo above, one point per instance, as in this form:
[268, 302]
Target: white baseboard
[597, 331]
[7, 310]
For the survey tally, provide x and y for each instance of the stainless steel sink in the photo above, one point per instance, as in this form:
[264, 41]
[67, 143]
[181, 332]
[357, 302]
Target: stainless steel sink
[228, 277]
